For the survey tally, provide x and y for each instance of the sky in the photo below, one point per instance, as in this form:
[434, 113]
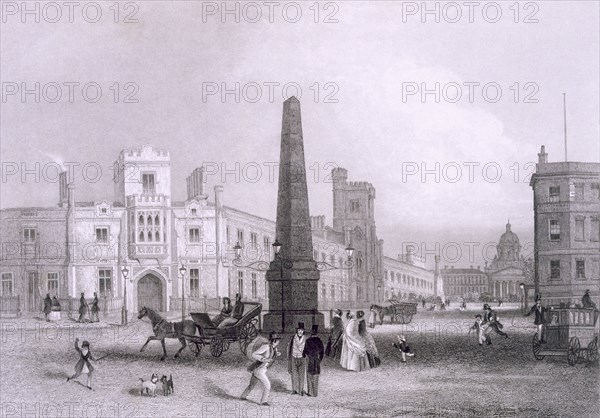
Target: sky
[445, 118]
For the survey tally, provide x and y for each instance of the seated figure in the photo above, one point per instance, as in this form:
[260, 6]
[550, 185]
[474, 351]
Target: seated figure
[225, 312]
[238, 312]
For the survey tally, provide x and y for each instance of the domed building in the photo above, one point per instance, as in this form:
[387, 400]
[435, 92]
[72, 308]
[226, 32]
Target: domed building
[506, 271]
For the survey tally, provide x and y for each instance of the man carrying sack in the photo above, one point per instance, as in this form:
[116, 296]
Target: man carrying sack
[264, 356]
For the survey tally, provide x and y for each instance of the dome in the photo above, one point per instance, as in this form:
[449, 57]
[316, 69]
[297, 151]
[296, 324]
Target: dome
[509, 237]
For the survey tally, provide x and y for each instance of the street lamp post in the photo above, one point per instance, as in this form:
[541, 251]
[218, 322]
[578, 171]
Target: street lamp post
[182, 271]
[125, 273]
[378, 293]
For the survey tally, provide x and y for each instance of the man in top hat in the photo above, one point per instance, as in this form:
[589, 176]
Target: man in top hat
[264, 356]
[540, 317]
[586, 300]
[491, 323]
[47, 306]
[83, 308]
[296, 360]
[95, 309]
[335, 336]
[314, 351]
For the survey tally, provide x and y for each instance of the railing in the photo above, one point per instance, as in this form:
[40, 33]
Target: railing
[10, 306]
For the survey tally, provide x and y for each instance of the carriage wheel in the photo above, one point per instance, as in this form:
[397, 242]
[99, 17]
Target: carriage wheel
[409, 318]
[196, 346]
[537, 347]
[402, 318]
[573, 353]
[592, 350]
[247, 334]
[216, 346]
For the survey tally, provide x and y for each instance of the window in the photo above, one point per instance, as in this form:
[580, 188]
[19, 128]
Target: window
[323, 291]
[580, 269]
[332, 292]
[595, 229]
[7, 284]
[354, 206]
[194, 283]
[554, 194]
[315, 255]
[194, 212]
[105, 282]
[267, 245]
[194, 234]
[254, 289]
[29, 234]
[240, 283]
[102, 235]
[227, 233]
[148, 183]
[240, 236]
[578, 191]
[253, 239]
[579, 232]
[53, 284]
[103, 210]
[555, 269]
[554, 230]
[595, 191]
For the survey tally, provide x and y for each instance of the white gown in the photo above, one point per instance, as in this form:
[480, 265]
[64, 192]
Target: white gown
[354, 354]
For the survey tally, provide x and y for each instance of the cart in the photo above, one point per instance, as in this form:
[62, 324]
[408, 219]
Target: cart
[219, 339]
[569, 332]
[401, 312]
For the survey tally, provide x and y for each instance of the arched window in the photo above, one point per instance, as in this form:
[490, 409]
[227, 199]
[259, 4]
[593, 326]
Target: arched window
[149, 220]
[157, 236]
[149, 236]
[156, 220]
[141, 220]
[141, 238]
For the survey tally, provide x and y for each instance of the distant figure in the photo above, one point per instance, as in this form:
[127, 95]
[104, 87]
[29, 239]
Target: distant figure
[264, 357]
[586, 300]
[540, 318]
[443, 307]
[314, 351]
[372, 316]
[225, 312]
[83, 308]
[95, 309]
[423, 303]
[55, 304]
[479, 327]
[47, 307]
[334, 344]
[500, 302]
[403, 347]
[83, 365]
[238, 312]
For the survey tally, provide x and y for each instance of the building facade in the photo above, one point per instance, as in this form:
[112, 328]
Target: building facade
[406, 277]
[566, 207]
[464, 282]
[83, 246]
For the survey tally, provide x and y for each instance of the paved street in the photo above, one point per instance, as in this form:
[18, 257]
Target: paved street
[449, 376]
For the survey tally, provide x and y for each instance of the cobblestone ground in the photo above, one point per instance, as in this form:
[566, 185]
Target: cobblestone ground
[449, 376]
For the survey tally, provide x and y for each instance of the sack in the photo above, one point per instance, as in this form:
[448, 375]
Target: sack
[254, 366]
[255, 345]
[328, 348]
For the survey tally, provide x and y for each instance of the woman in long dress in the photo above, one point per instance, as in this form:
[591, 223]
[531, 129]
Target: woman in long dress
[369, 342]
[354, 355]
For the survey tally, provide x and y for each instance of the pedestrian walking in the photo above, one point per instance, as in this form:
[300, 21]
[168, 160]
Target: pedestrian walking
[491, 323]
[540, 318]
[83, 308]
[95, 309]
[478, 326]
[296, 360]
[403, 347]
[264, 356]
[372, 317]
[83, 366]
[314, 352]
[47, 307]
[334, 345]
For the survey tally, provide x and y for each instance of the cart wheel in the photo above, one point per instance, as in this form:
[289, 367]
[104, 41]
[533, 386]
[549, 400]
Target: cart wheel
[537, 347]
[195, 347]
[247, 334]
[573, 353]
[592, 350]
[216, 346]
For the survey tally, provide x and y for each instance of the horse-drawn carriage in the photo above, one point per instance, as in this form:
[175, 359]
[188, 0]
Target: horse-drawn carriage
[401, 312]
[219, 339]
[568, 331]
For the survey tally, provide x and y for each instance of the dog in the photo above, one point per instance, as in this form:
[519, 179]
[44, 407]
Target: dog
[149, 386]
[167, 385]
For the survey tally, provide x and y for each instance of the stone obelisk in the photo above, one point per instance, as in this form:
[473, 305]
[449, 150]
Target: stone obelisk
[293, 277]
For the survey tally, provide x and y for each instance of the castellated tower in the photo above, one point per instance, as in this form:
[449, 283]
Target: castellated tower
[354, 212]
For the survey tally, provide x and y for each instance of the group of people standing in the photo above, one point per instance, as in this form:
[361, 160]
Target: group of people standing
[351, 343]
[84, 308]
[50, 304]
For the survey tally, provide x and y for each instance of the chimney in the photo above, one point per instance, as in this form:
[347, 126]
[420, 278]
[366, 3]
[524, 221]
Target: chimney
[195, 184]
[409, 254]
[71, 195]
[218, 193]
[542, 156]
[63, 197]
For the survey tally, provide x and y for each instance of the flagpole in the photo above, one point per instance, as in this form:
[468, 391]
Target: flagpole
[565, 121]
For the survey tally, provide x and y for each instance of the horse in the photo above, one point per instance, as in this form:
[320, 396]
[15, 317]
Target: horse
[164, 329]
[382, 311]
